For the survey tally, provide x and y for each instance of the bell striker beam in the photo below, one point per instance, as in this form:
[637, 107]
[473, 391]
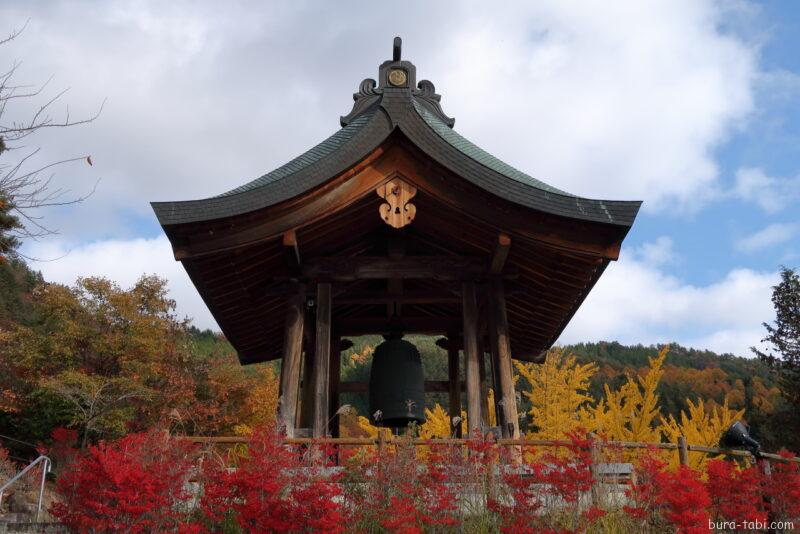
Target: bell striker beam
[500, 346]
[454, 382]
[292, 356]
[471, 361]
[322, 360]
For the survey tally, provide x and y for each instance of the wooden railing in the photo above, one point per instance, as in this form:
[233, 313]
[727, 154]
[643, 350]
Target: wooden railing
[681, 447]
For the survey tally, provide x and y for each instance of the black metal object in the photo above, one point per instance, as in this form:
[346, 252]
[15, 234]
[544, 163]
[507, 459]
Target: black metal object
[396, 49]
[396, 384]
[737, 436]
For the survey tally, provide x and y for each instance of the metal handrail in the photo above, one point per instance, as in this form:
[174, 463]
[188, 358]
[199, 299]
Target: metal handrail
[46, 465]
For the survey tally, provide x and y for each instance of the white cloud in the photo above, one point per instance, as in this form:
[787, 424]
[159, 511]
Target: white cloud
[658, 252]
[772, 235]
[635, 302]
[124, 262]
[606, 99]
[769, 193]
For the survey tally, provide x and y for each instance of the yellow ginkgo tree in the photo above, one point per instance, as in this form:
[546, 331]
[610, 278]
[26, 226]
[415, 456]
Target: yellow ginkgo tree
[631, 413]
[558, 391]
[701, 425]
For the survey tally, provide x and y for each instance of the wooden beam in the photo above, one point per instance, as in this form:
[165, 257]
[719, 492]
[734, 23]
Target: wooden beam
[413, 325]
[416, 297]
[453, 383]
[431, 386]
[471, 362]
[292, 251]
[500, 342]
[322, 360]
[500, 254]
[381, 267]
[292, 356]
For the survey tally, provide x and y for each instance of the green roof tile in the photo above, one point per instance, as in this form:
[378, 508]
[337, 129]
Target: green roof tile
[310, 157]
[468, 148]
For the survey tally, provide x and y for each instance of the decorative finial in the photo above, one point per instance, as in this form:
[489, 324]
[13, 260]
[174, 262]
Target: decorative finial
[398, 45]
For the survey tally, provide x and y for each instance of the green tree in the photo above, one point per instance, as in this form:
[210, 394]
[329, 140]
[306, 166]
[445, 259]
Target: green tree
[783, 352]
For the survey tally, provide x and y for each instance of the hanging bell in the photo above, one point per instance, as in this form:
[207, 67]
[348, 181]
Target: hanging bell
[396, 384]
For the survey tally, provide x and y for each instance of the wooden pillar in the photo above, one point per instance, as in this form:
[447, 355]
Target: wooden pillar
[333, 385]
[485, 383]
[454, 381]
[471, 361]
[501, 347]
[292, 356]
[322, 360]
[305, 417]
[495, 366]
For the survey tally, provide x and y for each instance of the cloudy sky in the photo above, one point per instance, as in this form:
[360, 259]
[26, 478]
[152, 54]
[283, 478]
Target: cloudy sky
[691, 106]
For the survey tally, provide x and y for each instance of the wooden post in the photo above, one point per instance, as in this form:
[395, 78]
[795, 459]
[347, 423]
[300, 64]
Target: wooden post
[471, 362]
[683, 451]
[322, 360]
[335, 376]
[595, 455]
[292, 356]
[484, 384]
[454, 383]
[305, 417]
[500, 346]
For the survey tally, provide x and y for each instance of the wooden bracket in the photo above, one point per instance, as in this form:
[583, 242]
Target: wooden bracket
[500, 254]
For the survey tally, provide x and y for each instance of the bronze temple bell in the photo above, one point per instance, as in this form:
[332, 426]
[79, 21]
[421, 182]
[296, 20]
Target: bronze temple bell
[396, 383]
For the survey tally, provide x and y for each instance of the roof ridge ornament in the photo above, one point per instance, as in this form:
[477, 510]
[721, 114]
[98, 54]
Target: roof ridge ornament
[397, 49]
[396, 76]
[426, 92]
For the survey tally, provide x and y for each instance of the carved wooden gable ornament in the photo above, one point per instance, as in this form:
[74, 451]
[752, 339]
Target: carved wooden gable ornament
[397, 211]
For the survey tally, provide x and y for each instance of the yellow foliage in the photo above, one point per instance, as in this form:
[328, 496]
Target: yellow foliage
[260, 407]
[558, 392]
[700, 426]
[371, 430]
[632, 413]
[437, 423]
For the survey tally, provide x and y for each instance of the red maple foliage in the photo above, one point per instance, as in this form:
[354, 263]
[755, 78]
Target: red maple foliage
[397, 491]
[782, 490]
[135, 484]
[679, 497]
[736, 494]
[554, 482]
[275, 488]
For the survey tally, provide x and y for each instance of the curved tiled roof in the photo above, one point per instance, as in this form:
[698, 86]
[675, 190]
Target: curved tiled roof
[377, 112]
[468, 148]
[311, 157]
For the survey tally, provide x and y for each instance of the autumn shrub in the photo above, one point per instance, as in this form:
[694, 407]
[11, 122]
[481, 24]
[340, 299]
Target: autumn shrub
[394, 490]
[135, 484]
[549, 493]
[275, 488]
[782, 490]
[736, 494]
[62, 449]
[660, 497]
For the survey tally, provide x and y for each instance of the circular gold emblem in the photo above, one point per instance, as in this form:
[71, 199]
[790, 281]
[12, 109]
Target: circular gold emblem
[397, 77]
